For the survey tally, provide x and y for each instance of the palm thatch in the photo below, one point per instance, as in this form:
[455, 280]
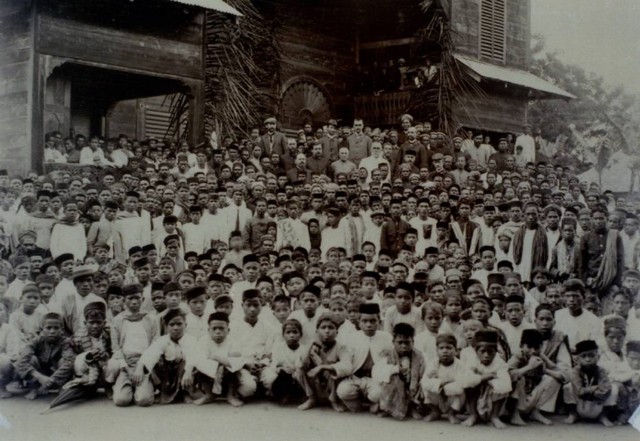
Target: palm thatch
[453, 91]
[242, 62]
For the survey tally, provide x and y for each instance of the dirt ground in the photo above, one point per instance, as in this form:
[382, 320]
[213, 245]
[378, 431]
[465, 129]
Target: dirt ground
[101, 420]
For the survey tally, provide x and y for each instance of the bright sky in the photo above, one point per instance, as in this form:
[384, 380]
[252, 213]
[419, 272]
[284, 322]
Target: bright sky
[602, 36]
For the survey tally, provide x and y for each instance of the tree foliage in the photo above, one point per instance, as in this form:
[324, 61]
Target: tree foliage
[597, 107]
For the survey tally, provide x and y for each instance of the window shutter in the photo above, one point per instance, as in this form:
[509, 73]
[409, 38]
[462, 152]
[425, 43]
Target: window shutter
[493, 15]
[156, 122]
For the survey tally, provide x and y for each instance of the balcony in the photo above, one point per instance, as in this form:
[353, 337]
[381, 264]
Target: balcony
[383, 109]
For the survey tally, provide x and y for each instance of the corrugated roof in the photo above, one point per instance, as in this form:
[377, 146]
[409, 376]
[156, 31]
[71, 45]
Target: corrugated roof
[513, 76]
[216, 5]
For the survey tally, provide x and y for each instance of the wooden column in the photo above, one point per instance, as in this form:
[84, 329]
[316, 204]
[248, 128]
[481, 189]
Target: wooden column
[196, 111]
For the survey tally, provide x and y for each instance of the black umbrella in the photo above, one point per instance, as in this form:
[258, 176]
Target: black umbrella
[78, 392]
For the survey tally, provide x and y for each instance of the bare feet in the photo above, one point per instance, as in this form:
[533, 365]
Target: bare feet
[337, 406]
[416, 415]
[374, 408]
[571, 419]
[453, 418]
[32, 395]
[516, 419]
[536, 415]
[432, 416]
[470, 422]
[234, 401]
[205, 399]
[307, 404]
[605, 421]
[16, 388]
[498, 424]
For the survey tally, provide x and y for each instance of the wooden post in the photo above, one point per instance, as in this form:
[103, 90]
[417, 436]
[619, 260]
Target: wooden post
[196, 111]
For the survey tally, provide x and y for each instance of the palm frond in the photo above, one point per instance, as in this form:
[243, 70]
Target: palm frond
[453, 92]
[242, 69]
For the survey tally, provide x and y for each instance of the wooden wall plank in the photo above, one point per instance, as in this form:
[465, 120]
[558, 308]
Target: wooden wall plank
[122, 49]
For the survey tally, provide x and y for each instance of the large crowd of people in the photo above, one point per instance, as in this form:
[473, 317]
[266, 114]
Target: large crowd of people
[408, 273]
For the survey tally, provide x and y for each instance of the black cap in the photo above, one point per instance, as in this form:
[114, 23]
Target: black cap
[531, 337]
[514, 298]
[95, 306]
[195, 292]
[219, 317]
[404, 329]
[63, 258]
[171, 286]
[486, 336]
[171, 314]
[249, 258]
[312, 289]
[249, 294]
[139, 263]
[369, 308]
[585, 346]
[132, 289]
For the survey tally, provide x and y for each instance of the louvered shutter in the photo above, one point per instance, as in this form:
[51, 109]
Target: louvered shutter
[493, 15]
[156, 121]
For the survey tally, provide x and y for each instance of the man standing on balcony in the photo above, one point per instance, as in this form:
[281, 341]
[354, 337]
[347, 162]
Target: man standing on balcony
[330, 142]
[273, 141]
[359, 143]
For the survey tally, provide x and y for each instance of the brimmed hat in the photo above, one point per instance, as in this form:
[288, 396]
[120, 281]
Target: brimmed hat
[83, 271]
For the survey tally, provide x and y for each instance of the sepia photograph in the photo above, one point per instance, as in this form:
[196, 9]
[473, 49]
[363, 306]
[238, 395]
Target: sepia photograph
[319, 220]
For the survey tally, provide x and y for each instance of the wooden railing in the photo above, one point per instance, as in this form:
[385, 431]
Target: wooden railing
[383, 109]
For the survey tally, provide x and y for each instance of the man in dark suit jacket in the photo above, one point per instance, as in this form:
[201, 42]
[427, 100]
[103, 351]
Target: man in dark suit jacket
[273, 141]
[393, 231]
[330, 142]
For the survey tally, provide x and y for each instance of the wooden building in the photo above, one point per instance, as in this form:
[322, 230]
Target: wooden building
[67, 64]
[328, 45]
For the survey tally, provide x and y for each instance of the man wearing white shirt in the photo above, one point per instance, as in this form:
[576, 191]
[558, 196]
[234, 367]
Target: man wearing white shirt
[195, 232]
[575, 322]
[291, 230]
[630, 239]
[372, 162]
[368, 346]
[425, 225]
[236, 215]
[212, 220]
[254, 337]
[373, 231]
[478, 151]
[93, 154]
[528, 145]
[72, 306]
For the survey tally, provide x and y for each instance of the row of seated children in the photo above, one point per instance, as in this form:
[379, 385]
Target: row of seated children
[391, 373]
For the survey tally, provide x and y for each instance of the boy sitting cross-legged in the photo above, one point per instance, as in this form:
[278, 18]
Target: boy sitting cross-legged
[220, 369]
[487, 381]
[47, 362]
[282, 376]
[534, 390]
[169, 359]
[326, 362]
[442, 381]
[589, 392]
[400, 375]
